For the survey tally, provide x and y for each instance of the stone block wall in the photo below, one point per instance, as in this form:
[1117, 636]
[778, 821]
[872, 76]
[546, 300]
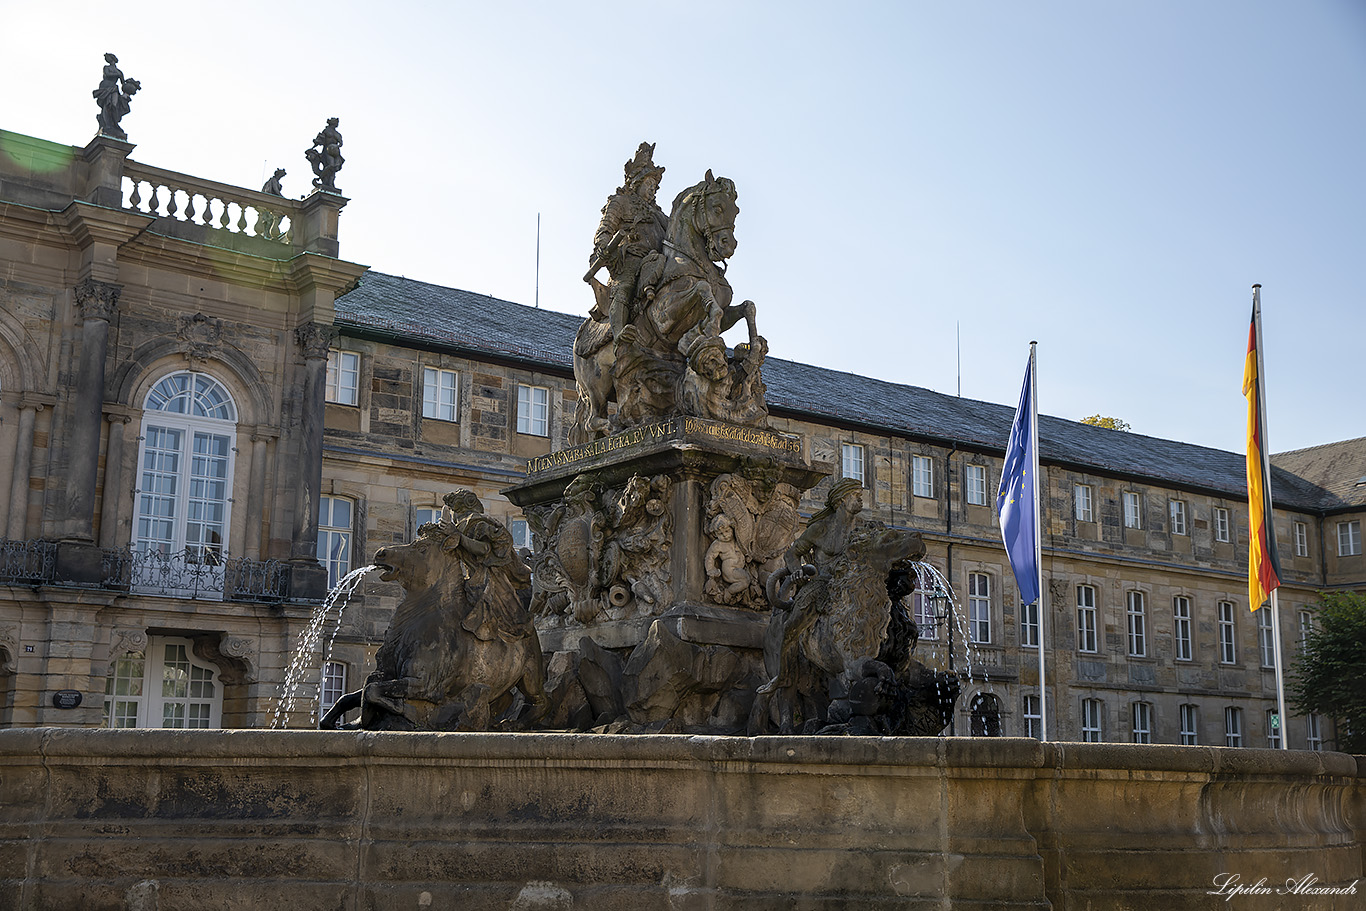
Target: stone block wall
[205, 820]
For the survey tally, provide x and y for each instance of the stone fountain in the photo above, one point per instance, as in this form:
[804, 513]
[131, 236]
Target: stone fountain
[669, 585]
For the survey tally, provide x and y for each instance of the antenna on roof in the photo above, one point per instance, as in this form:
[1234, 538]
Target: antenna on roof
[958, 335]
[538, 260]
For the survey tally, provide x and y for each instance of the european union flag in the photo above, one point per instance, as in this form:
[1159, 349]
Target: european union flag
[1015, 499]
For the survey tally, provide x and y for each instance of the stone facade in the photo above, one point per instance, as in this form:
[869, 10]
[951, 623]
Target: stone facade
[371, 401]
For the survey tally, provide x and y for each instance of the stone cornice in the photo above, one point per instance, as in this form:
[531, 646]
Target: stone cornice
[86, 224]
[313, 270]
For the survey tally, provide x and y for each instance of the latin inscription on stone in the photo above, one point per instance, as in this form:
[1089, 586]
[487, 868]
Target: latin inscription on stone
[677, 428]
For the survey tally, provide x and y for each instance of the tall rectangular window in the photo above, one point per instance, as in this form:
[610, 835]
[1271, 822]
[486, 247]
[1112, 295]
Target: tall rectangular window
[1233, 726]
[1273, 730]
[1306, 626]
[343, 377]
[1266, 638]
[1081, 503]
[1181, 628]
[1092, 714]
[1313, 732]
[1190, 725]
[1228, 651]
[922, 611]
[922, 476]
[521, 534]
[424, 515]
[1349, 538]
[1178, 514]
[1221, 525]
[979, 607]
[1133, 510]
[1138, 624]
[976, 477]
[1143, 722]
[1301, 539]
[1033, 718]
[440, 390]
[533, 410]
[166, 685]
[852, 461]
[333, 685]
[334, 537]
[1086, 618]
[1029, 625]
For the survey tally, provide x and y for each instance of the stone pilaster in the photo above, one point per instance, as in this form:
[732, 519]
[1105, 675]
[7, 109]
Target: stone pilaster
[97, 301]
[314, 339]
[113, 482]
[23, 463]
[256, 500]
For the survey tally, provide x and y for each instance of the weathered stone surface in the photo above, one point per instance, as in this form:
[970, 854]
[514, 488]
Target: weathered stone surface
[327, 820]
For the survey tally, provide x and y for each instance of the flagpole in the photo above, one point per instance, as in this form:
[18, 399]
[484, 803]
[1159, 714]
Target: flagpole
[1270, 522]
[1038, 538]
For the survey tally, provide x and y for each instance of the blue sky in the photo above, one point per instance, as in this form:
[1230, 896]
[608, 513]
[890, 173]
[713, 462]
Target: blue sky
[1107, 178]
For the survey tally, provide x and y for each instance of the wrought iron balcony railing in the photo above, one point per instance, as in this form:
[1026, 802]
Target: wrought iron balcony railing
[196, 572]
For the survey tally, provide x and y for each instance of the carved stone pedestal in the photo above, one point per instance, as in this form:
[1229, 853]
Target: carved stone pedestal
[652, 547]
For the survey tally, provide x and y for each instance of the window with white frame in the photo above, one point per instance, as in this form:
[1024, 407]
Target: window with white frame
[533, 410]
[851, 461]
[440, 394]
[922, 476]
[521, 533]
[985, 720]
[1138, 624]
[1313, 731]
[1177, 508]
[424, 515]
[1301, 539]
[979, 607]
[1190, 724]
[166, 686]
[1029, 625]
[1266, 639]
[1181, 628]
[333, 685]
[343, 377]
[1273, 730]
[1092, 715]
[1306, 626]
[1233, 726]
[922, 611]
[1033, 717]
[1142, 722]
[185, 468]
[1086, 619]
[1228, 649]
[1349, 538]
[1221, 524]
[1133, 511]
[1081, 503]
[335, 516]
[976, 478]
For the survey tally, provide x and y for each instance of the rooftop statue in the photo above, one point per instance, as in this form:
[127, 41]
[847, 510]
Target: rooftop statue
[269, 224]
[114, 96]
[326, 157]
[462, 638]
[667, 299]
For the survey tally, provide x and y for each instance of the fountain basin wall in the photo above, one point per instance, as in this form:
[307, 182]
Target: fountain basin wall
[146, 819]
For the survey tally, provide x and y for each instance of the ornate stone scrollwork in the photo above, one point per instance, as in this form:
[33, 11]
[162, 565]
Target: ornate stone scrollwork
[315, 339]
[200, 335]
[123, 641]
[97, 300]
[751, 519]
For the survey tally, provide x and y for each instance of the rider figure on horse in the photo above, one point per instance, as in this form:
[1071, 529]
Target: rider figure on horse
[632, 228]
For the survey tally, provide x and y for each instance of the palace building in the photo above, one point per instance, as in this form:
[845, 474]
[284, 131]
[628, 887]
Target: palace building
[207, 419]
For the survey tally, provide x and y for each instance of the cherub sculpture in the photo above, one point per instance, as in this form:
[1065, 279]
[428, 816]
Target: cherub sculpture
[727, 578]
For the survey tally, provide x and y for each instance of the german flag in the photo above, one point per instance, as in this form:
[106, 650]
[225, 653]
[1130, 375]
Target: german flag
[1263, 563]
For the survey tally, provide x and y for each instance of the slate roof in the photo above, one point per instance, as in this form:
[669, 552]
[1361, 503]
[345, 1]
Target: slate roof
[462, 320]
[1337, 471]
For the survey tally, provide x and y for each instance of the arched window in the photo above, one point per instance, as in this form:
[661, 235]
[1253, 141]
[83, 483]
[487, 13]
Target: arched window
[986, 716]
[184, 492]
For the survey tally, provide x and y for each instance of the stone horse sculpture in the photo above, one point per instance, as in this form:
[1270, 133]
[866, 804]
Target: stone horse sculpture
[684, 296]
[460, 640]
[823, 646]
